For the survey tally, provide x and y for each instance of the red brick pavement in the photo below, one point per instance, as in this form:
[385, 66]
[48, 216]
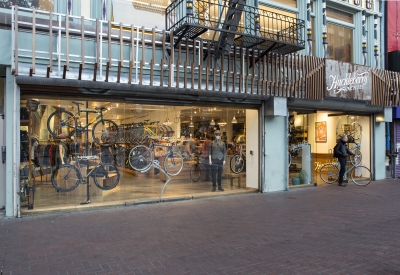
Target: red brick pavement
[318, 230]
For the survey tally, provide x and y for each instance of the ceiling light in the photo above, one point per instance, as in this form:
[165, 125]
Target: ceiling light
[212, 122]
[234, 120]
[191, 125]
[167, 122]
[222, 123]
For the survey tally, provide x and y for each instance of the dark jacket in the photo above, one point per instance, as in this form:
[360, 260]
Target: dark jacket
[341, 150]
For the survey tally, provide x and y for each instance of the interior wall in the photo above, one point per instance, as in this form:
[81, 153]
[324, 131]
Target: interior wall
[252, 145]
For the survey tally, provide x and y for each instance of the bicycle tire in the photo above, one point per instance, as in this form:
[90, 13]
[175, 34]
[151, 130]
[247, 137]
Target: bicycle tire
[237, 163]
[356, 160]
[329, 173]
[195, 172]
[140, 158]
[173, 163]
[65, 121]
[102, 134]
[105, 172]
[357, 132]
[65, 178]
[361, 175]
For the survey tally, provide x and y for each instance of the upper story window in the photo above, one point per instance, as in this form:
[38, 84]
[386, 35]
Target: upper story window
[290, 3]
[339, 15]
[45, 5]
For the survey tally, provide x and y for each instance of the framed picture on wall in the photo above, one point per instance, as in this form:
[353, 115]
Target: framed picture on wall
[320, 131]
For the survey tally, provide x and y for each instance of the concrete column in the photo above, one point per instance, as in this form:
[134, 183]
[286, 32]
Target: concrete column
[379, 149]
[12, 122]
[275, 145]
[2, 143]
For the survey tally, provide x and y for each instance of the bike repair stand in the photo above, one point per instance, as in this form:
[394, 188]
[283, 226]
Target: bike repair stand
[87, 153]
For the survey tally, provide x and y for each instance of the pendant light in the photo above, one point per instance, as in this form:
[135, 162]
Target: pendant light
[234, 120]
[191, 125]
[222, 123]
[167, 122]
[212, 123]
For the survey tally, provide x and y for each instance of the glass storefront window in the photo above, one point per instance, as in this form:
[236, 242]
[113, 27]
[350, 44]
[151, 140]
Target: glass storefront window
[340, 41]
[65, 150]
[312, 137]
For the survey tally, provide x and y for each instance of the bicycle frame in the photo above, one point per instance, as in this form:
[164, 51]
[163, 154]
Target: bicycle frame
[83, 128]
[77, 164]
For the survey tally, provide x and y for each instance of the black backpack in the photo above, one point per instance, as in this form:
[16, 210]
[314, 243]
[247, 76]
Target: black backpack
[335, 149]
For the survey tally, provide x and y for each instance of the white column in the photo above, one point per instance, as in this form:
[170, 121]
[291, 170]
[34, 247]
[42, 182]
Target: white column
[252, 149]
[12, 122]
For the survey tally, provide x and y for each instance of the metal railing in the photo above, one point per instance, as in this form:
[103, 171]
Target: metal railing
[256, 27]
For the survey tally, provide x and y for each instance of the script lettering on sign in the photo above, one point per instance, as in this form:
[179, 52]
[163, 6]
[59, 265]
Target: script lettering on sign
[346, 80]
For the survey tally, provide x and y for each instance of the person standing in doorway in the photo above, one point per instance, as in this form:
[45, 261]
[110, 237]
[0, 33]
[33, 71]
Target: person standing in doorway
[205, 153]
[217, 158]
[341, 151]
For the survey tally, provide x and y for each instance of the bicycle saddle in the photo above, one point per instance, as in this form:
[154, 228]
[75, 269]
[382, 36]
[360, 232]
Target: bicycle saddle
[146, 120]
[101, 108]
[77, 103]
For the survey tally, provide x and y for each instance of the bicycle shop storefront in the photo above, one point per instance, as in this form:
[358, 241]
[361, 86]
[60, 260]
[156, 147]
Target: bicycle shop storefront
[314, 128]
[100, 150]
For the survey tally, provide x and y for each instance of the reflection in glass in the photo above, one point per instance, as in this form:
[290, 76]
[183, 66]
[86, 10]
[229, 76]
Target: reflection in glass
[340, 41]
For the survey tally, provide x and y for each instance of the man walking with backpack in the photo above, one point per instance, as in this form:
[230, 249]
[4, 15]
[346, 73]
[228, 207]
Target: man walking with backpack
[340, 152]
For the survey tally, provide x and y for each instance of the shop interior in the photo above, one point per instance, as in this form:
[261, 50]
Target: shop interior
[312, 135]
[46, 146]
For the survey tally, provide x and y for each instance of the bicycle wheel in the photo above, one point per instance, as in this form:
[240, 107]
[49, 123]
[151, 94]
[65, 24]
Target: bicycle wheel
[61, 124]
[361, 175]
[105, 132]
[65, 178]
[140, 158]
[356, 158]
[195, 172]
[357, 130]
[106, 176]
[173, 163]
[329, 173]
[237, 163]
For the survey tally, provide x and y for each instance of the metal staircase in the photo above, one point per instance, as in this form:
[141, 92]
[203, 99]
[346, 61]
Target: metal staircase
[229, 27]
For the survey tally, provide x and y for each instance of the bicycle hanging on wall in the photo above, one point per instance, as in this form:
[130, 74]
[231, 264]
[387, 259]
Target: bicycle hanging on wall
[63, 124]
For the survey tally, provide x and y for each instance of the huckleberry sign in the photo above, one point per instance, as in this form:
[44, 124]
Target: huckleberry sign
[346, 80]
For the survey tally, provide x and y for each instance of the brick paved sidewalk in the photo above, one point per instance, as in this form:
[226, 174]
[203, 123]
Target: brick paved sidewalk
[318, 230]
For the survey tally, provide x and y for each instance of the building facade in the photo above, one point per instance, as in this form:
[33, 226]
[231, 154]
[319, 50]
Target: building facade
[94, 91]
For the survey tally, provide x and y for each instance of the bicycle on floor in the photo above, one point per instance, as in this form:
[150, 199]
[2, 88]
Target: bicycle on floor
[238, 160]
[198, 169]
[141, 158]
[359, 174]
[67, 177]
[63, 124]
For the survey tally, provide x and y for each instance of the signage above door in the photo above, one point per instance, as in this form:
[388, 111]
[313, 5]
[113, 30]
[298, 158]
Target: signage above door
[346, 80]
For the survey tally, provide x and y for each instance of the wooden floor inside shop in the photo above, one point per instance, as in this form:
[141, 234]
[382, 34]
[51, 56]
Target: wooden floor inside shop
[317, 160]
[134, 186]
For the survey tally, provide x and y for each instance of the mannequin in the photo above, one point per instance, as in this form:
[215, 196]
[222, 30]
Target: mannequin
[217, 158]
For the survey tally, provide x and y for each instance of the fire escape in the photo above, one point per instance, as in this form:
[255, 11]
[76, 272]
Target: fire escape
[229, 23]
